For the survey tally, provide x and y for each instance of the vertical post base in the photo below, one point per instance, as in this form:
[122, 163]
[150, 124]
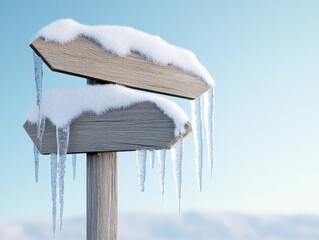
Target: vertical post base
[102, 200]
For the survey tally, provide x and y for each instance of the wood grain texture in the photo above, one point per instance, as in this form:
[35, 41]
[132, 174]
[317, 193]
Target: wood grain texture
[140, 126]
[102, 196]
[85, 58]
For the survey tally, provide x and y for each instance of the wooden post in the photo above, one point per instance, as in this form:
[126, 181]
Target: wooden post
[101, 194]
[102, 201]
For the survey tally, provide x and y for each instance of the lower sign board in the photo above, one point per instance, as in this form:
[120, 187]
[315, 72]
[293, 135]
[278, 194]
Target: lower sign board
[140, 126]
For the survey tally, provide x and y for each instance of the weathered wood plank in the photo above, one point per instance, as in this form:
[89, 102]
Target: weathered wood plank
[82, 57]
[140, 126]
[102, 196]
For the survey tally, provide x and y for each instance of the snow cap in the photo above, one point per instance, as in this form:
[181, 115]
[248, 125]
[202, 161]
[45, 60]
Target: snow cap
[62, 106]
[122, 40]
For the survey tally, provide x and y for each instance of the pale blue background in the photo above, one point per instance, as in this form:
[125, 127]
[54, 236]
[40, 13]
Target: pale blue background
[264, 57]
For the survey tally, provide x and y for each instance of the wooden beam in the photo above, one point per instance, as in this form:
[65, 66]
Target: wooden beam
[85, 58]
[140, 126]
[102, 197]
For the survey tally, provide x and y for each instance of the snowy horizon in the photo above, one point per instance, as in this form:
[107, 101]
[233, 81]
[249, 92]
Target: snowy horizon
[186, 226]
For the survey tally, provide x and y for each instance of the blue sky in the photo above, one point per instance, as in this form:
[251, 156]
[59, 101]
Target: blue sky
[263, 56]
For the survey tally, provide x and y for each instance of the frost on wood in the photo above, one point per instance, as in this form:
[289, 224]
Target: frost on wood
[209, 125]
[36, 162]
[141, 167]
[151, 157]
[122, 40]
[177, 157]
[74, 165]
[53, 171]
[198, 138]
[161, 155]
[62, 144]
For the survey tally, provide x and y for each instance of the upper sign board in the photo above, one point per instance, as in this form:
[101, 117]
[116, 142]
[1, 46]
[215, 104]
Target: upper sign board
[85, 58]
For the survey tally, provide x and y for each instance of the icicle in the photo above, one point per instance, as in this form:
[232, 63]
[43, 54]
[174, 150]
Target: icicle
[38, 73]
[209, 125]
[36, 162]
[161, 154]
[40, 127]
[62, 143]
[74, 165]
[40, 122]
[198, 138]
[177, 156]
[151, 156]
[61, 171]
[141, 170]
[53, 170]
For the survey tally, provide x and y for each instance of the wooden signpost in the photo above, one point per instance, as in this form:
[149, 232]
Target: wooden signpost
[140, 126]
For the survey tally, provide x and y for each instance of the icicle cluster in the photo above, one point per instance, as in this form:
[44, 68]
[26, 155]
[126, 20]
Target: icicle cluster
[176, 156]
[62, 144]
[57, 162]
[209, 125]
[202, 108]
[202, 117]
[196, 106]
[57, 170]
[57, 166]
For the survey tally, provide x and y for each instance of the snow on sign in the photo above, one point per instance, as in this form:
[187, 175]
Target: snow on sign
[101, 120]
[121, 55]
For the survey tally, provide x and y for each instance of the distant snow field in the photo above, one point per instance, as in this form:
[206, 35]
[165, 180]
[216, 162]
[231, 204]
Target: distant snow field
[189, 226]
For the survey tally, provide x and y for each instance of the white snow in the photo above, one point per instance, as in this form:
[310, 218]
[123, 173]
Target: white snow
[141, 167]
[122, 40]
[61, 106]
[53, 175]
[196, 107]
[209, 125]
[177, 157]
[161, 155]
